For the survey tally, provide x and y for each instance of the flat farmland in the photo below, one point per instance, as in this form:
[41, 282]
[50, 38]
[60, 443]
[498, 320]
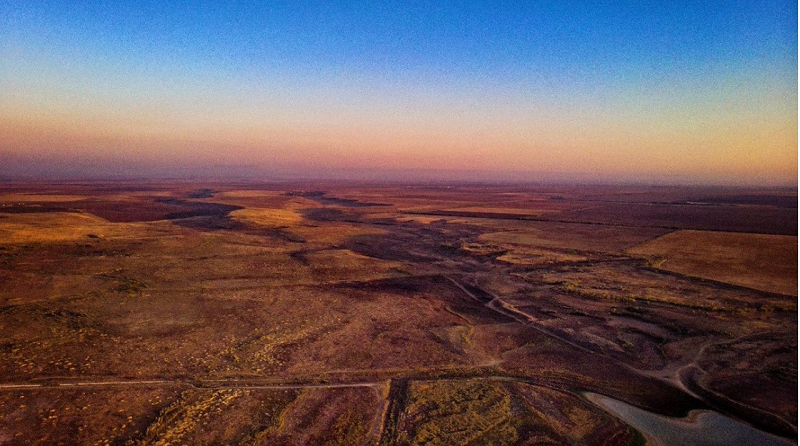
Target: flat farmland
[373, 314]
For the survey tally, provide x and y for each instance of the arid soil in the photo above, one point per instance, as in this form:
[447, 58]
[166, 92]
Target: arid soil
[759, 261]
[355, 314]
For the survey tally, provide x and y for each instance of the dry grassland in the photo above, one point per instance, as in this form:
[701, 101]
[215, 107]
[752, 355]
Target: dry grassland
[758, 261]
[39, 198]
[55, 227]
[267, 217]
[308, 314]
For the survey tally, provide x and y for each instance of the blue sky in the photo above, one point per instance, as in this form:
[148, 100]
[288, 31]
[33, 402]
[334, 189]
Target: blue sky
[275, 71]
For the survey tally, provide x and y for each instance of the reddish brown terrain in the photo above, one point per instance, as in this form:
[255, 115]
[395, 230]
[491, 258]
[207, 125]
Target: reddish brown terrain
[353, 314]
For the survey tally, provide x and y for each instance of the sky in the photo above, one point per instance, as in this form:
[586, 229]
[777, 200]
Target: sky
[588, 91]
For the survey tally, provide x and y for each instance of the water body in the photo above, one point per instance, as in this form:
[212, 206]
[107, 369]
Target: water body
[699, 428]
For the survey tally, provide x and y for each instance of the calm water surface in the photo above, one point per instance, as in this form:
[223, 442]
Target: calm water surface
[699, 428]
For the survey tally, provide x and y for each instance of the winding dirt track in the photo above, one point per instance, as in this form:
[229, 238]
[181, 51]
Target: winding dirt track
[682, 376]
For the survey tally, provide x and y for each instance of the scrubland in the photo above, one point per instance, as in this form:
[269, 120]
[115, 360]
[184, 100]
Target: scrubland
[341, 314]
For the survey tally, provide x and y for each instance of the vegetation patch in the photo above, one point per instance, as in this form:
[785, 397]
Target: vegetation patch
[459, 412]
[272, 218]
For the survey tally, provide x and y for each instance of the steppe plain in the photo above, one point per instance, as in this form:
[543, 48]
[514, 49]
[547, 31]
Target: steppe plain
[355, 314]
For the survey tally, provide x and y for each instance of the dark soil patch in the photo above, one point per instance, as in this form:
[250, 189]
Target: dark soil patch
[31, 208]
[321, 197]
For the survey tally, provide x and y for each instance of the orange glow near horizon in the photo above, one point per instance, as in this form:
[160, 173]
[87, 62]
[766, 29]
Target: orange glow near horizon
[615, 143]
[697, 120]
